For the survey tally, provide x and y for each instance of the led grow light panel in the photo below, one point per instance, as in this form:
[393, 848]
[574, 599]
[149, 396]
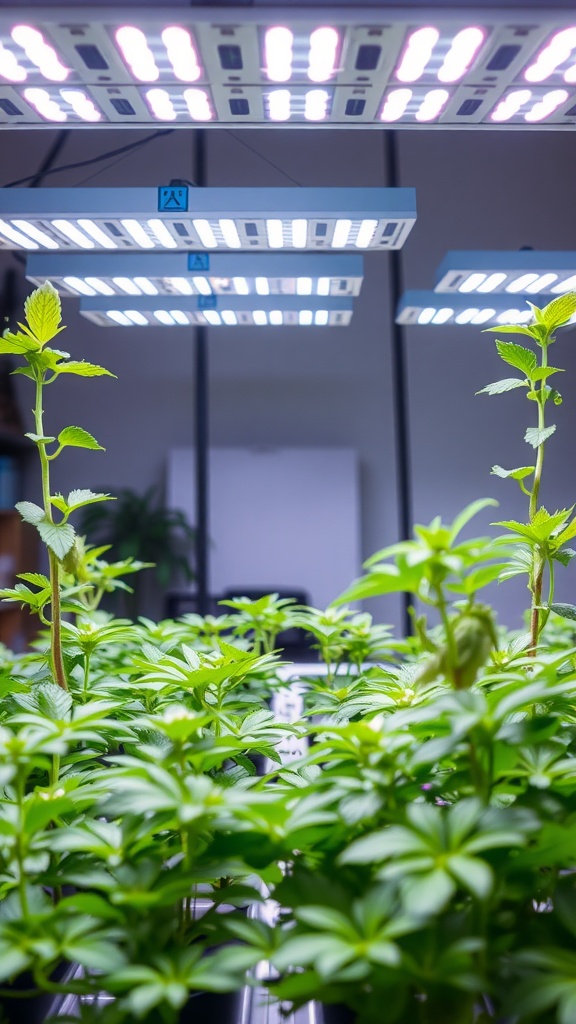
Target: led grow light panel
[265, 66]
[212, 311]
[121, 219]
[197, 274]
[427, 307]
[525, 270]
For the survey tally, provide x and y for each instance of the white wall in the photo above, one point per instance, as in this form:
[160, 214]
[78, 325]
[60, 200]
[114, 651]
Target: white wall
[327, 387]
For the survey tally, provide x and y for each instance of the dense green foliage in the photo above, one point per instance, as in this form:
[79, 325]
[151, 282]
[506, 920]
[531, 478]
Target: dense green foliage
[421, 852]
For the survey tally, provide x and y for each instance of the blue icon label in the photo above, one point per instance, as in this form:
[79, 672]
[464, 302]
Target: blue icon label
[198, 261]
[173, 198]
[207, 302]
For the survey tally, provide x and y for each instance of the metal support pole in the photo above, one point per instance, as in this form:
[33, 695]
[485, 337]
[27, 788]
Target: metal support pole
[399, 379]
[201, 383]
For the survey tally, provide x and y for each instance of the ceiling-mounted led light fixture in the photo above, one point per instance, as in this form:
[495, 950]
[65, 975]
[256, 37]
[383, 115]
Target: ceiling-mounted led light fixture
[265, 65]
[427, 307]
[198, 273]
[526, 270]
[323, 219]
[212, 311]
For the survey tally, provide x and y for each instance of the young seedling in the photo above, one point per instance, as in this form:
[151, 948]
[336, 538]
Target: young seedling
[44, 365]
[542, 538]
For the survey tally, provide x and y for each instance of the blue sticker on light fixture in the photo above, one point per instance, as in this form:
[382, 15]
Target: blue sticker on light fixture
[198, 261]
[172, 199]
[207, 302]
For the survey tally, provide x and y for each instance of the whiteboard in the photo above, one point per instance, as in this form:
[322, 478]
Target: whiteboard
[279, 518]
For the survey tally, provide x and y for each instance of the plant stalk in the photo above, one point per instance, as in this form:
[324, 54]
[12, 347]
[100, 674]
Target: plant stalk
[56, 661]
[541, 424]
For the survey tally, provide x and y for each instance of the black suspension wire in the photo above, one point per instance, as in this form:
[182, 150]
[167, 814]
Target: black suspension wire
[399, 379]
[262, 157]
[50, 157]
[92, 160]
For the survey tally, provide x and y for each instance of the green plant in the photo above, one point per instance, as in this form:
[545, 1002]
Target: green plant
[541, 540]
[44, 365]
[139, 527]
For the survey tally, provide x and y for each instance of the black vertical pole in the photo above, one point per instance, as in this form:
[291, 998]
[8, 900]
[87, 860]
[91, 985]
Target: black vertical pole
[399, 378]
[201, 418]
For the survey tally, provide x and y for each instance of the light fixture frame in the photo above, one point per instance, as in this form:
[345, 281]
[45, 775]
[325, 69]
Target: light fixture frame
[458, 266]
[199, 309]
[392, 210]
[281, 271]
[413, 302]
[237, 96]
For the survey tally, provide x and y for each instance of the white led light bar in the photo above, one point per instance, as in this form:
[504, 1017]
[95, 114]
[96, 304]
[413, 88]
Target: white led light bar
[427, 307]
[334, 66]
[212, 218]
[526, 270]
[212, 311]
[198, 274]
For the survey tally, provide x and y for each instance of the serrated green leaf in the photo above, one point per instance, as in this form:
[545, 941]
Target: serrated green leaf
[83, 369]
[77, 437]
[559, 311]
[47, 699]
[567, 611]
[43, 312]
[34, 577]
[18, 344]
[564, 556]
[59, 537]
[500, 386]
[30, 512]
[510, 329]
[516, 474]
[518, 356]
[79, 497]
[543, 372]
[536, 437]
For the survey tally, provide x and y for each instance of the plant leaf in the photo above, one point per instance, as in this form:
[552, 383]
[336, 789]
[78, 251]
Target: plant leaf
[516, 474]
[510, 329]
[83, 369]
[43, 312]
[59, 537]
[18, 344]
[500, 386]
[77, 437]
[468, 513]
[567, 611]
[536, 437]
[37, 578]
[30, 512]
[516, 355]
[543, 372]
[559, 311]
[79, 497]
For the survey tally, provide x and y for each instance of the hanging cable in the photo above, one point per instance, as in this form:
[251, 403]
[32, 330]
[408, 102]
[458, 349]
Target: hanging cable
[91, 160]
[265, 158]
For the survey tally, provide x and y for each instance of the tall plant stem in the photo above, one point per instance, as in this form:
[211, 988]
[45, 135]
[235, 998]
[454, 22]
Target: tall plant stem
[540, 456]
[538, 562]
[451, 653]
[55, 631]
